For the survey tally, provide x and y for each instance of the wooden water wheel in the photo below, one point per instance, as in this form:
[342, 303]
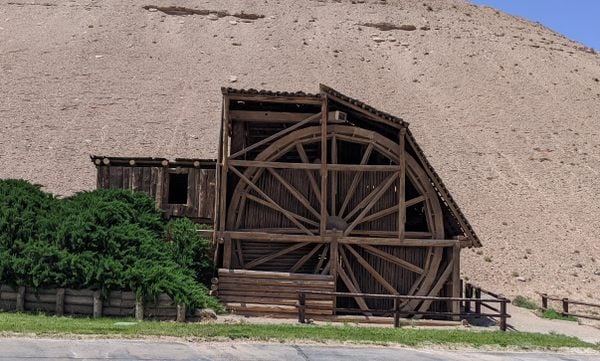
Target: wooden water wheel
[372, 186]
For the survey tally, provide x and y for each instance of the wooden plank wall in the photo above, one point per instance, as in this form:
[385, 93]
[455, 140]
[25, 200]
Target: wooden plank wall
[81, 302]
[154, 181]
[274, 294]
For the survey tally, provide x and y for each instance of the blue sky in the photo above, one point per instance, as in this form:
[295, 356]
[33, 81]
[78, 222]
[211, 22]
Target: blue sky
[577, 19]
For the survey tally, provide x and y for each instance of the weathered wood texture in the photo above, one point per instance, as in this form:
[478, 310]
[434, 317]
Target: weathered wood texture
[86, 302]
[271, 293]
[154, 180]
[331, 188]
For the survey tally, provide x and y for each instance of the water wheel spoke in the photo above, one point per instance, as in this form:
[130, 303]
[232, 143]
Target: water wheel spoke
[326, 268]
[391, 258]
[309, 174]
[368, 198]
[285, 212]
[305, 258]
[378, 277]
[390, 210]
[352, 280]
[373, 198]
[355, 181]
[271, 256]
[437, 287]
[294, 192]
[239, 252]
[270, 205]
[322, 258]
[277, 135]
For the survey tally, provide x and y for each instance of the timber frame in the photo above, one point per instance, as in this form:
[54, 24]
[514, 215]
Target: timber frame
[328, 190]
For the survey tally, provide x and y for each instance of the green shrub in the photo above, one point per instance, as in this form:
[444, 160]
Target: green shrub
[190, 250]
[105, 239]
[552, 314]
[524, 302]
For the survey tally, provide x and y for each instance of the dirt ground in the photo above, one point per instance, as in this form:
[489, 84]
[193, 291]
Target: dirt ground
[506, 109]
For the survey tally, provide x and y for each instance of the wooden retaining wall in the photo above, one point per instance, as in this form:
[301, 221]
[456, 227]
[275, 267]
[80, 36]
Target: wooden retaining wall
[65, 301]
[274, 294]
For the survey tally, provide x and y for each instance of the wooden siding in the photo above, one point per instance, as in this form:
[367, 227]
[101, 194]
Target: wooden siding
[155, 182]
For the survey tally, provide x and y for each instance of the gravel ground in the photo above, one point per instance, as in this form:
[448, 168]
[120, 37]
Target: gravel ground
[506, 109]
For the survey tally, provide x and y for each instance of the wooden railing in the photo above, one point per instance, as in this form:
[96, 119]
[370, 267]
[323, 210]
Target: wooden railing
[481, 298]
[565, 306]
[397, 312]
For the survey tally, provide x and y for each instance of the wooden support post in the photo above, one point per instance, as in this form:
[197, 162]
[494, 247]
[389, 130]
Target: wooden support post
[227, 251]
[139, 308]
[60, 302]
[503, 314]
[334, 253]
[323, 195]
[565, 307]
[468, 294]
[544, 301]
[396, 312]
[97, 304]
[334, 262]
[302, 307]
[456, 289]
[477, 300]
[20, 307]
[224, 150]
[181, 312]
[401, 184]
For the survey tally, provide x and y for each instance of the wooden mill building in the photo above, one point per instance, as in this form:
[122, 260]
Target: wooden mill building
[321, 191]
[312, 192]
[181, 187]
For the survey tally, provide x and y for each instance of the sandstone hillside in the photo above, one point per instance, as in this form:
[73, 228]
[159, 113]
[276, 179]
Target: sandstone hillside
[506, 109]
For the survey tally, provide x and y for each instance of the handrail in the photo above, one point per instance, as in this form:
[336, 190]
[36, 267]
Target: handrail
[565, 306]
[501, 313]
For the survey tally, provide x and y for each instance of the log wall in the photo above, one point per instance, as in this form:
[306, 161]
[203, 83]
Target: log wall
[274, 294]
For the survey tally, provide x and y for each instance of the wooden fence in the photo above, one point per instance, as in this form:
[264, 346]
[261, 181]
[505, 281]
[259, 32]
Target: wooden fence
[565, 302]
[65, 301]
[464, 303]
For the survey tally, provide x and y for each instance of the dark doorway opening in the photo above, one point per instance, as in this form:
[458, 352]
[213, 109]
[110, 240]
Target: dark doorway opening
[178, 188]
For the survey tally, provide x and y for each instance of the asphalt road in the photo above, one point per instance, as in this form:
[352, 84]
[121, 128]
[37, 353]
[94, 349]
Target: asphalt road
[95, 349]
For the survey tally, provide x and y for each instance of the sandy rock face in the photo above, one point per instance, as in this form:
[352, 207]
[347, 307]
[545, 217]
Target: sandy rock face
[505, 109]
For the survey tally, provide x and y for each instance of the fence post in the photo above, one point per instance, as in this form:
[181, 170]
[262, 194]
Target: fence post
[565, 304]
[468, 294]
[478, 300]
[60, 302]
[301, 307]
[97, 304]
[544, 301]
[503, 314]
[139, 308]
[396, 313]
[181, 312]
[20, 306]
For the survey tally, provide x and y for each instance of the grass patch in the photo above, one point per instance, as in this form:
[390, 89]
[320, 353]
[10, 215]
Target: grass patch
[552, 314]
[51, 325]
[523, 302]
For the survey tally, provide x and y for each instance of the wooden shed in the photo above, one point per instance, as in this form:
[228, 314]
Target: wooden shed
[182, 188]
[321, 191]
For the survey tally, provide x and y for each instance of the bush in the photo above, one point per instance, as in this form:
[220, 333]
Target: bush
[105, 239]
[524, 302]
[190, 250]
